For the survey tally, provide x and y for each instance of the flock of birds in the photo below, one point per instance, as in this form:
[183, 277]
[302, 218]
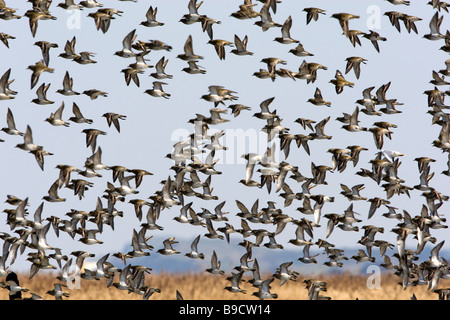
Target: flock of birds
[192, 178]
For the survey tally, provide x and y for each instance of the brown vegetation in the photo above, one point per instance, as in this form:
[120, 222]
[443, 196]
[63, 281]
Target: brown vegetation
[209, 287]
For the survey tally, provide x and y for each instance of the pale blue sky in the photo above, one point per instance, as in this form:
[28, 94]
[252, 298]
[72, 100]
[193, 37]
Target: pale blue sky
[407, 60]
